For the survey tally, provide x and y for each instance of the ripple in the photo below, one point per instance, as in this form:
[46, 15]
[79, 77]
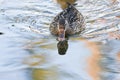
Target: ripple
[27, 43]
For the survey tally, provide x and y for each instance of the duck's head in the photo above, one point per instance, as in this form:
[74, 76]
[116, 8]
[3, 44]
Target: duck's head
[62, 47]
[61, 30]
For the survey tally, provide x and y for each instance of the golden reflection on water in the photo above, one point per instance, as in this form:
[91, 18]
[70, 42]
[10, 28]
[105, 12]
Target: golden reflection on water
[34, 60]
[44, 74]
[118, 56]
[42, 43]
[40, 59]
[50, 46]
[51, 73]
[37, 58]
[93, 61]
[63, 3]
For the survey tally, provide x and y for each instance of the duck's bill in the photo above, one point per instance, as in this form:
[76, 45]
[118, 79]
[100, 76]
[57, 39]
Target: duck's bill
[61, 37]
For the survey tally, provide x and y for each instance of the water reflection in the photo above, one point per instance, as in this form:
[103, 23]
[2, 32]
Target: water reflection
[56, 67]
[22, 74]
[33, 55]
[34, 60]
[94, 68]
[62, 47]
[45, 74]
[1, 33]
[110, 60]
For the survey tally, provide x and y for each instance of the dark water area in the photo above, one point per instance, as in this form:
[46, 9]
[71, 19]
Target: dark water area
[1, 33]
[29, 52]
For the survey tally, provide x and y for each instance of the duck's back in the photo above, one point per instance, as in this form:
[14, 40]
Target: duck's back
[74, 20]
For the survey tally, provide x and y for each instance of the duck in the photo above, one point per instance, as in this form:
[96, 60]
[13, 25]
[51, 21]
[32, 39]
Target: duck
[68, 22]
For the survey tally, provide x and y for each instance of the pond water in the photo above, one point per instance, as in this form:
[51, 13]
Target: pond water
[29, 51]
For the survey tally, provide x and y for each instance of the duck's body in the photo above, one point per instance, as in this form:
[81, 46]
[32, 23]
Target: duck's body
[74, 21]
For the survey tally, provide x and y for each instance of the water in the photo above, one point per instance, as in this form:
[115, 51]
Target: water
[29, 51]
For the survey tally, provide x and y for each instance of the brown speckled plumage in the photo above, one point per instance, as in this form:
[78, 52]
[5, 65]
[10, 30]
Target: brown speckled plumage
[73, 18]
[72, 21]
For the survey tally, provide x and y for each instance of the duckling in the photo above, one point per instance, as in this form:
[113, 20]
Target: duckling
[68, 22]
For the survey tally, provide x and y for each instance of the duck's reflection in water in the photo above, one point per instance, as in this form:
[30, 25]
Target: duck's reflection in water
[62, 47]
[63, 3]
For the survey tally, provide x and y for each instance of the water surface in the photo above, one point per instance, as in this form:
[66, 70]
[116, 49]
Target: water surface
[29, 51]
